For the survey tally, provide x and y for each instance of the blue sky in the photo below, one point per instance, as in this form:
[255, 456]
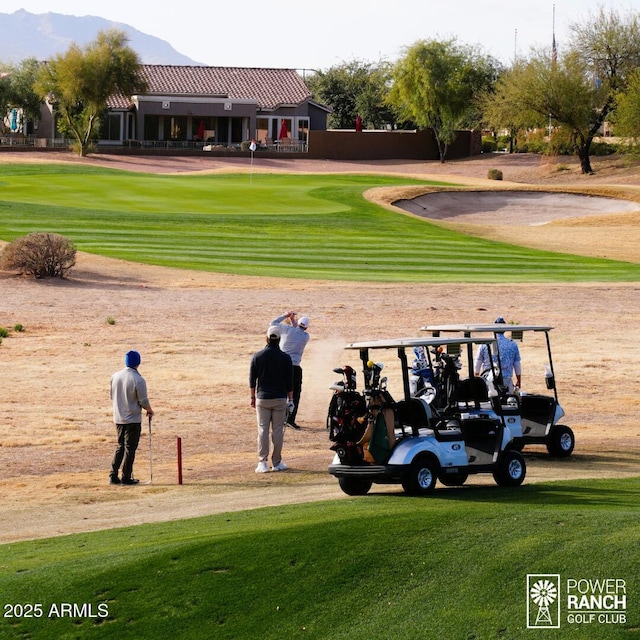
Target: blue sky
[274, 33]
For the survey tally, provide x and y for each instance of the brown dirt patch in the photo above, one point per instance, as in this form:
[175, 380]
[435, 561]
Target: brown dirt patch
[196, 333]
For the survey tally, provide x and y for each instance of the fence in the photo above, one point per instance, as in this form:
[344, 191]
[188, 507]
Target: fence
[32, 142]
[329, 145]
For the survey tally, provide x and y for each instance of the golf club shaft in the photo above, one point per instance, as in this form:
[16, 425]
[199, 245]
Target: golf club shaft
[150, 454]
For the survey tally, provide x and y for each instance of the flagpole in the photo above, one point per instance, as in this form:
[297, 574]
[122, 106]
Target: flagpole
[554, 53]
[554, 47]
[252, 147]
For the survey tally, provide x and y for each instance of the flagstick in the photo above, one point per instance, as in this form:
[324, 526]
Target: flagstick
[252, 147]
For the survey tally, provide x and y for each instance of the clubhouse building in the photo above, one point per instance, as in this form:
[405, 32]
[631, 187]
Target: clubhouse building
[191, 106]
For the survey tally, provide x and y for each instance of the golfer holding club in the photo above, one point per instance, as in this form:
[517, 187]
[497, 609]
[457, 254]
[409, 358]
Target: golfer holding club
[128, 392]
[294, 340]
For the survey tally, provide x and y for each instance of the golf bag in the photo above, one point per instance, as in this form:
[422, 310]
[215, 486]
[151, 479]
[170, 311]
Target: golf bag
[448, 380]
[436, 378]
[346, 418]
[422, 380]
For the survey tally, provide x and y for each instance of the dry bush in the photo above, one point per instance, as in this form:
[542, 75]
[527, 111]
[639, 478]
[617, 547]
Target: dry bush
[40, 255]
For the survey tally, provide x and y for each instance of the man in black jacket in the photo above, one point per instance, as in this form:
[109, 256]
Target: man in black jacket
[271, 385]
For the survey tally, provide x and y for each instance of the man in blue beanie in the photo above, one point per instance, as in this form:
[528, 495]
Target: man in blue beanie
[128, 392]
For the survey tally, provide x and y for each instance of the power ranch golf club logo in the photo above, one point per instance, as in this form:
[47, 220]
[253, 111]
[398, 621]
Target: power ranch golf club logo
[552, 601]
[543, 601]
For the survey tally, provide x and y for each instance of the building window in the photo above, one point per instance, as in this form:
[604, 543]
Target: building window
[262, 130]
[111, 127]
[268, 129]
[175, 128]
[303, 130]
[277, 127]
[151, 127]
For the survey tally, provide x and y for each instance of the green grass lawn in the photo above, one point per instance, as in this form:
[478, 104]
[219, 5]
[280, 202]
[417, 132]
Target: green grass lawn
[450, 566]
[311, 226]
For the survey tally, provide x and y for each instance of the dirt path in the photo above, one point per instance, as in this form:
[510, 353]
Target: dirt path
[196, 333]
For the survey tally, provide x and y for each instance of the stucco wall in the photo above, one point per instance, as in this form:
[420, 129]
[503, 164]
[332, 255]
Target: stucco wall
[388, 145]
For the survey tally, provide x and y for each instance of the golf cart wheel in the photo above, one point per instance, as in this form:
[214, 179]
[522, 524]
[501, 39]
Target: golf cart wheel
[511, 469]
[355, 486]
[561, 441]
[421, 478]
[453, 479]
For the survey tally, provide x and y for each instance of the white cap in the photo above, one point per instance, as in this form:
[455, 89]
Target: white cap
[274, 331]
[303, 322]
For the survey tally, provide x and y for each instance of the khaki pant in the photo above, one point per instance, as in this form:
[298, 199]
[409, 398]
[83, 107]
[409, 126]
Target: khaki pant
[270, 413]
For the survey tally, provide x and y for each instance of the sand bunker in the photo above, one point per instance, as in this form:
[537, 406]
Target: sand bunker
[528, 208]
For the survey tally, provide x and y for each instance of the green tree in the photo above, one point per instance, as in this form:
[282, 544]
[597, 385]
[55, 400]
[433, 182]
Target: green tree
[24, 95]
[608, 47]
[17, 88]
[435, 84]
[627, 122]
[577, 93]
[5, 91]
[498, 111]
[80, 81]
[351, 89]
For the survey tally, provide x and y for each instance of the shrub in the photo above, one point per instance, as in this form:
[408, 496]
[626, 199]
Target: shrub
[504, 142]
[488, 144]
[40, 255]
[602, 148]
[3, 332]
[18, 327]
[534, 142]
[494, 174]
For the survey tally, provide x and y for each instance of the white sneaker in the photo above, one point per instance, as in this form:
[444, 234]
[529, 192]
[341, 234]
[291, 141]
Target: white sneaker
[281, 466]
[262, 467]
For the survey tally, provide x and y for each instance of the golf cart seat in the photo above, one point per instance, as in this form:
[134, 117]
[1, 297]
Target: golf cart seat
[415, 413]
[472, 392]
[537, 413]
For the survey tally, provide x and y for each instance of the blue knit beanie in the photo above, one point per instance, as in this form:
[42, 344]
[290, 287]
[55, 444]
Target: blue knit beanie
[132, 359]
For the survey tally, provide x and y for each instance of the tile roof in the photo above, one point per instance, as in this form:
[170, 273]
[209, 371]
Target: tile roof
[270, 88]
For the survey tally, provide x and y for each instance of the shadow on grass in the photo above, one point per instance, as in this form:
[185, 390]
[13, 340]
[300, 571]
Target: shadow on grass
[614, 493]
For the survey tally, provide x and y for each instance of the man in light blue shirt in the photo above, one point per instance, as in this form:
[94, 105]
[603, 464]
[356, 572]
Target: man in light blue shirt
[509, 359]
[293, 341]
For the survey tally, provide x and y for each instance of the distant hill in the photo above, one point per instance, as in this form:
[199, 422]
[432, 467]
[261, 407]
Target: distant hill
[41, 36]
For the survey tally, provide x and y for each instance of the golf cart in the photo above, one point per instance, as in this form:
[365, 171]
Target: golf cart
[539, 412]
[459, 427]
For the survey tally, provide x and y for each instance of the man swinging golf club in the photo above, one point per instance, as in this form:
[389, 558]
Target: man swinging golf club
[128, 392]
[294, 340]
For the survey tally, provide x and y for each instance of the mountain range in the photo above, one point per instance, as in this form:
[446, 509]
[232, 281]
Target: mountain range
[41, 36]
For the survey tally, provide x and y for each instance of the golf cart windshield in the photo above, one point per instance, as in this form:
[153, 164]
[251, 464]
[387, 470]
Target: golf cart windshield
[517, 333]
[437, 353]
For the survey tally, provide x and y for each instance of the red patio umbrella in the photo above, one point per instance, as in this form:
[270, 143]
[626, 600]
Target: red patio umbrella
[200, 133]
[358, 123]
[283, 130]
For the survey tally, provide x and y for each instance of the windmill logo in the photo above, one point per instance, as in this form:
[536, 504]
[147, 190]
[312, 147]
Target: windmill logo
[543, 601]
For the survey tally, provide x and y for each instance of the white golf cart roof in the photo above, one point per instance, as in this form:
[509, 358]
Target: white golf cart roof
[484, 328]
[417, 342]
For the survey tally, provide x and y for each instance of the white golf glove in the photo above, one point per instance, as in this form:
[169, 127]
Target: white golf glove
[290, 406]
